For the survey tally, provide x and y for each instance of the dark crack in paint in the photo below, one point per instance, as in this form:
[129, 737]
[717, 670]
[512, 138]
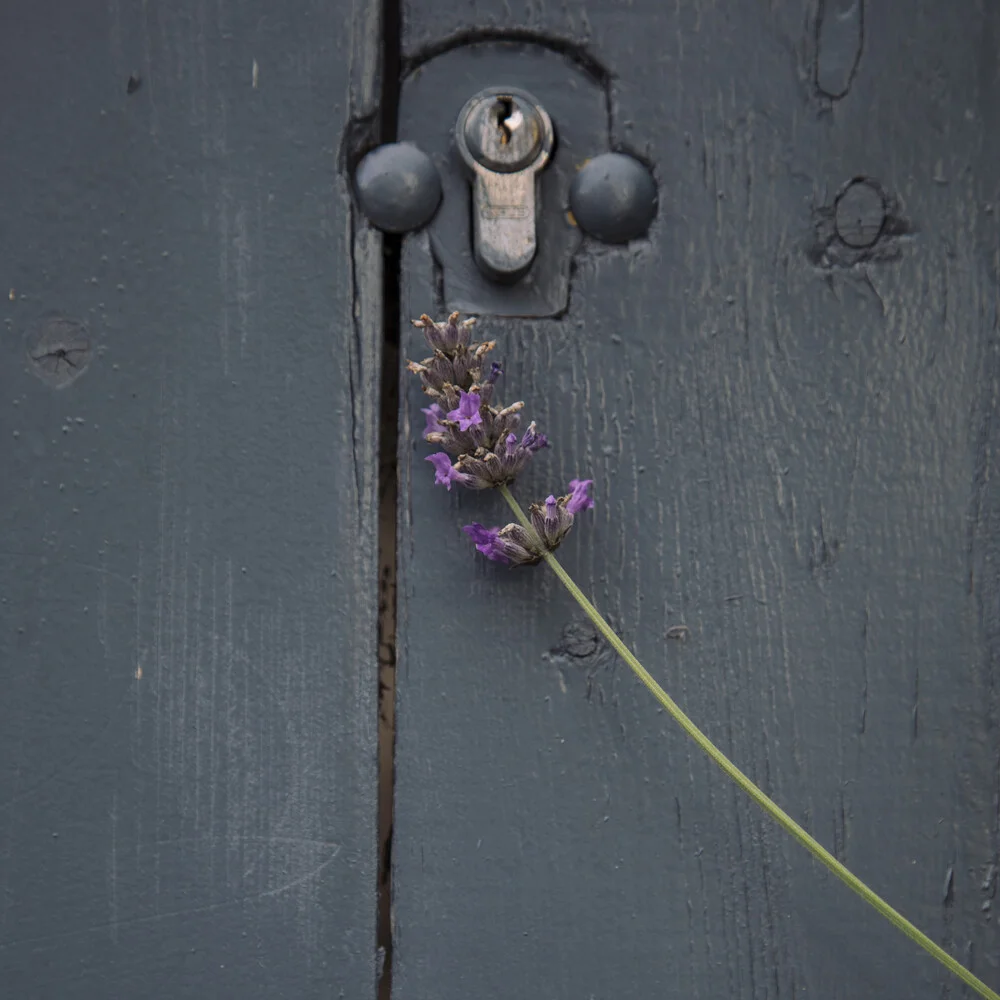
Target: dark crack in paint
[59, 350]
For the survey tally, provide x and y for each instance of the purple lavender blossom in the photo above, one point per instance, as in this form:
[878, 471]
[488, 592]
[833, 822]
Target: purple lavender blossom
[532, 440]
[551, 514]
[444, 472]
[578, 499]
[550, 523]
[434, 415]
[486, 541]
[553, 520]
[467, 412]
[463, 420]
[504, 463]
[511, 544]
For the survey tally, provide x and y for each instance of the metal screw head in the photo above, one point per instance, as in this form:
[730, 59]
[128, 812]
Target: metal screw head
[398, 187]
[613, 198]
[503, 132]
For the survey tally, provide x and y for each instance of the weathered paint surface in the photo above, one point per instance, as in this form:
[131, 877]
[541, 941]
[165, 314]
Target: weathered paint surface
[187, 563]
[794, 439]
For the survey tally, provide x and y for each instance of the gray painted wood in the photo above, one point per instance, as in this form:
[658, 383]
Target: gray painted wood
[794, 449]
[188, 588]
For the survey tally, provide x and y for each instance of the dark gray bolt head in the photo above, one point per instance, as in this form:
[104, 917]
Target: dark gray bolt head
[398, 187]
[860, 214]
[613, 198]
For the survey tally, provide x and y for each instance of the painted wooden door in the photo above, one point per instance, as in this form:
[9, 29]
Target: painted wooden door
[189, 385]
[787, 396]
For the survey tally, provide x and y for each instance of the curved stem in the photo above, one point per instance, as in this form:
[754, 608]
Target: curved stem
[773, 809]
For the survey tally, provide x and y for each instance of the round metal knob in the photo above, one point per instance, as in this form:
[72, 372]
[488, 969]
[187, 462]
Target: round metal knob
[613, 198]
[398, 187]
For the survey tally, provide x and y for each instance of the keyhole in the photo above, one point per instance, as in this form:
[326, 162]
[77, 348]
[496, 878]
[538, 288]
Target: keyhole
[509, 117]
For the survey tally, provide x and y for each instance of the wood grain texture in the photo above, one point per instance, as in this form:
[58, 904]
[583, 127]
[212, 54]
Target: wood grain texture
[188, 554]
[794, 448]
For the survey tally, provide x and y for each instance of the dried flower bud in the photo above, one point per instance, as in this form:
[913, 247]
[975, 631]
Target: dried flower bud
[486, 387]
[514, 545]
[511, 545]
[446, 337]
[553, 519]
[483, 468]
[461, 371]
[434, 373]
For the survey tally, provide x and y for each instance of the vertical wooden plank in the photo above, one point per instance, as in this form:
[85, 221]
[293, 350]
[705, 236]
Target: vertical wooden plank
[794, 445]
[188, 589]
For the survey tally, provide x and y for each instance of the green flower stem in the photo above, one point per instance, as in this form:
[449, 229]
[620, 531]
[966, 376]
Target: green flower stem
[776, 812]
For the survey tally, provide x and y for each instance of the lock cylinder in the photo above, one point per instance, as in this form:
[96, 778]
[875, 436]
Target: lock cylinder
[505, 138]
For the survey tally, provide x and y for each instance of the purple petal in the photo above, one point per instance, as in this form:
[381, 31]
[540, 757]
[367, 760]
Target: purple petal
[444, 472]
[486, 541]
[551, 511]
[578, 499]
[467, 413]
[434, 415]
[479, 534]
[495, 372]
[532, 440]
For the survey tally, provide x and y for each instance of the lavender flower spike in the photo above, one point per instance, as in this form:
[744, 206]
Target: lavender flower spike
[551, 521]
[468, 423]
[464, 419]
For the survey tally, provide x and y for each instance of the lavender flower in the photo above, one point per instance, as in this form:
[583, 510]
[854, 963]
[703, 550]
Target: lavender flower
[467, 411]
[514, 545]
[532, 440]
[434, 415]
[503, 463]
[444, 472]
[578, 499]
[486, 540]
[481, 437]
[463, 421]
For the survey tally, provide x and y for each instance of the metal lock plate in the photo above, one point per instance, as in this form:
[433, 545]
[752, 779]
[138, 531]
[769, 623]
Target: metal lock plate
[505, 138]
[442, 256]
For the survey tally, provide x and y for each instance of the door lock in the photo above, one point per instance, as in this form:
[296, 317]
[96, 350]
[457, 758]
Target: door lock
[505, 137]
